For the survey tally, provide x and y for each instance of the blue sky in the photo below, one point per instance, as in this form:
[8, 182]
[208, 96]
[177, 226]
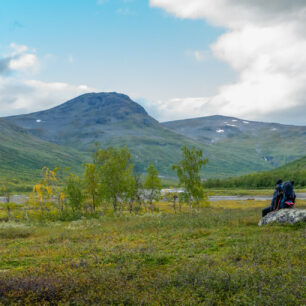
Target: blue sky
[117, 45]
[148, 50]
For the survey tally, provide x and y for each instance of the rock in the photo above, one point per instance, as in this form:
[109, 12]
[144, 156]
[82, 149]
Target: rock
[289, 216]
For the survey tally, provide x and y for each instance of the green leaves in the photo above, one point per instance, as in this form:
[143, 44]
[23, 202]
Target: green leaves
[91, 183]
[153, 185]
[188, 172]
[73, 191]
[114, 168]
[152, 180]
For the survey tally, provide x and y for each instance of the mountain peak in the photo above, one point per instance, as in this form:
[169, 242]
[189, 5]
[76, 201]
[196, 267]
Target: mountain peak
[93, 115]
[109, 103]
[100, 96]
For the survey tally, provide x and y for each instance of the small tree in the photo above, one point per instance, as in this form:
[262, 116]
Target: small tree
[73, 192]
[130, 196]
[46, 189]
[91, 183]
[153, 185]
[115, 174]
[188, 172]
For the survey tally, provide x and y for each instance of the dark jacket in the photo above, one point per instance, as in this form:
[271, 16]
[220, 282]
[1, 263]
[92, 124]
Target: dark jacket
[276, 196]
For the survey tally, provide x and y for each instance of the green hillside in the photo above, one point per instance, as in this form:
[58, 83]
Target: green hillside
[22, 155]
[293, 171]
[297, 165]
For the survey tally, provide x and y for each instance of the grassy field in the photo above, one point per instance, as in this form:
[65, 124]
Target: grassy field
[242, 192]
[215, 257]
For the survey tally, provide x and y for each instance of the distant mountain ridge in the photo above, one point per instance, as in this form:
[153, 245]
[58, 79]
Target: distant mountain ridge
[233, 146]
[275, 143]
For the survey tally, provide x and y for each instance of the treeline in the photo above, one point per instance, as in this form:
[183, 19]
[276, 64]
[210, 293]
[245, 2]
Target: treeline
[110, 185]
[260, 180]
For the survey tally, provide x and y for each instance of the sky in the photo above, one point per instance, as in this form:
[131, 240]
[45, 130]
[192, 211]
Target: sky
[177, 58]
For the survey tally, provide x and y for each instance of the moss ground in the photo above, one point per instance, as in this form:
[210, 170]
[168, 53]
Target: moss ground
[215, 257]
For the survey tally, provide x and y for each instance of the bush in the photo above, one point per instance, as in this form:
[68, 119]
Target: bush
[14, 230]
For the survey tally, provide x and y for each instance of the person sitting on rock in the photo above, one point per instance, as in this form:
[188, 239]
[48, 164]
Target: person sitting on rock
[275, 199]
[288, 197]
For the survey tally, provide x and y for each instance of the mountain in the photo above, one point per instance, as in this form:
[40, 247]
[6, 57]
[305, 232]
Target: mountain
[23, 155]
[88, 118]
[268, 144]
[109, 119]
[233, 146]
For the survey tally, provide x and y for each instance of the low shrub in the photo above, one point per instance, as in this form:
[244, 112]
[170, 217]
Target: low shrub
[10, 230]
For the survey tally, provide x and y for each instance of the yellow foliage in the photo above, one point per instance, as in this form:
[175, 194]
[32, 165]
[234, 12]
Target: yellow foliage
[62, 196]
[37, 188]
[49, 191]
[47, 188]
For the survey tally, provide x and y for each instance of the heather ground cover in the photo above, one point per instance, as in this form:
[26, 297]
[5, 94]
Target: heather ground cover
[217, 256]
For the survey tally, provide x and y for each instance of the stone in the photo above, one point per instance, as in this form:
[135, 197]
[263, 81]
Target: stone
[284, 216]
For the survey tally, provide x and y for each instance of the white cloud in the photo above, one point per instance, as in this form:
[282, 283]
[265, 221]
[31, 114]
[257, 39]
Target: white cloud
[22, 96]
[20, 59]
[265, 43]
[18, 94]
[23, 62]
[18, 49]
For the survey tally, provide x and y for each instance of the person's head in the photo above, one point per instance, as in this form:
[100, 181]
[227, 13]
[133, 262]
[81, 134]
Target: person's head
[278, 182]
[292, 183]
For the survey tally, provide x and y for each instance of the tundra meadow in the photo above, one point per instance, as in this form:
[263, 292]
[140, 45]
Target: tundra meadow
[89, 241]
[216, 256]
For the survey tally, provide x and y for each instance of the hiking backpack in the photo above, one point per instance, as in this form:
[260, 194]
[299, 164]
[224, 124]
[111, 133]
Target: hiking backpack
[288, 195]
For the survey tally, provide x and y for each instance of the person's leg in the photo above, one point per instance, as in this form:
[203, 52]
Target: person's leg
[285, 206]
[266, 210]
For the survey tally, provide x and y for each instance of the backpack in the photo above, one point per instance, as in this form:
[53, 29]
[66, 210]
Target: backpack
[288, 196]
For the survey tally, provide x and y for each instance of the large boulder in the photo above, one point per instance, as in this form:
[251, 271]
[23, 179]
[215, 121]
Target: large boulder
[289, 216]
